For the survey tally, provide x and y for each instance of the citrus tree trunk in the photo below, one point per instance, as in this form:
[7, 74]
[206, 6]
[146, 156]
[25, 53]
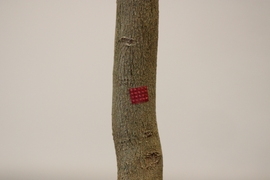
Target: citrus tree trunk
[135, 133]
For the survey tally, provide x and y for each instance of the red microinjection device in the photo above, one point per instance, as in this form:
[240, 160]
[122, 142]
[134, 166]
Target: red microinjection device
[138, 94]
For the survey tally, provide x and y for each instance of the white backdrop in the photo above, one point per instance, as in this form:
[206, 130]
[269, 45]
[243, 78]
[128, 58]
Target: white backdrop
[213, 89]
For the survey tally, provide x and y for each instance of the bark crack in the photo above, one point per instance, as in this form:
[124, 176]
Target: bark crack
[148, 133]
[128, 41]
[151, 160]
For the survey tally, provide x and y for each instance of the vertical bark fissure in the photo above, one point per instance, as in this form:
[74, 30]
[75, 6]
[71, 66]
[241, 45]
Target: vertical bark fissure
[135, 132]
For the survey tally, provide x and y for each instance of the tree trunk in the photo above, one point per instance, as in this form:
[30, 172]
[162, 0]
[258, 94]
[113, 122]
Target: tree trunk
[135, 133]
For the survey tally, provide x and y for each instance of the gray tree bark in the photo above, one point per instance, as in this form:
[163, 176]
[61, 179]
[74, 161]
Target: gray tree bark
[135, 132]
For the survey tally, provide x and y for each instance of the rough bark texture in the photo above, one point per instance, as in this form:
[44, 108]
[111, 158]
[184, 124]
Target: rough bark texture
[135, 133]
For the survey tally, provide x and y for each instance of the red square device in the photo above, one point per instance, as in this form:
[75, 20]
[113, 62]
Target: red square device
[138, 94]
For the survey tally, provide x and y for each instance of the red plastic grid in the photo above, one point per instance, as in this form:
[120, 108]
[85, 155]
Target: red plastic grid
[138, 95]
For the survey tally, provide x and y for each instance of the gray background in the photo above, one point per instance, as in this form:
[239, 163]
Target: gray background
[213, 89]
